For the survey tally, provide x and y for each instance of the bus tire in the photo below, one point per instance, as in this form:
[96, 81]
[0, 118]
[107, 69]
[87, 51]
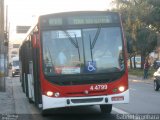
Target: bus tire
[44, 113]
[156, 86]
[30, 101]
[106, 109]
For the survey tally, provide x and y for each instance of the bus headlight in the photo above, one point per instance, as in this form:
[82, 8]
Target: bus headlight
[121, 88]
[49, 93]
[13, 71]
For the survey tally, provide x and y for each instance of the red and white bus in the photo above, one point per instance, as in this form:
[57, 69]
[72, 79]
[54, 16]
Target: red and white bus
[75, 59]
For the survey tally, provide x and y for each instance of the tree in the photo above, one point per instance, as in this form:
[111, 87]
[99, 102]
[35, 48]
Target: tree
[138, 26]
[153, 18]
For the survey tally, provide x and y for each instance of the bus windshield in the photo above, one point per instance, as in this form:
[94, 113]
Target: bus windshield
[82, 51]
[15, 63]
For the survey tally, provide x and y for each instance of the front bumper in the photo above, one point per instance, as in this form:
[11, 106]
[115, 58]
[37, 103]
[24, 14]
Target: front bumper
[16, 72]
[50, 102]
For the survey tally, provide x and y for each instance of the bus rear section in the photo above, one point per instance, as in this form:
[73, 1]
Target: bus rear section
[75, 59]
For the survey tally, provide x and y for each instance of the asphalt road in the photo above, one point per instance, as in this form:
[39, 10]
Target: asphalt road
[143, 100]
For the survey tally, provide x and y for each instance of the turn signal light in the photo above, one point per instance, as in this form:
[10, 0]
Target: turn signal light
[56, 94]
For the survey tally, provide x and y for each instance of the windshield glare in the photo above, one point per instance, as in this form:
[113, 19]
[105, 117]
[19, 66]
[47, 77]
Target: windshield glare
[80, 51]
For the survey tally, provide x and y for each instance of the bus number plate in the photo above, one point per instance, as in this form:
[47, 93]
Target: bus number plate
[98, 87]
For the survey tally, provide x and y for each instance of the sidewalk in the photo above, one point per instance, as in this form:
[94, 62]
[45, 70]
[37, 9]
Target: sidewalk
[2, 84]
[7, 103]
[14, 101]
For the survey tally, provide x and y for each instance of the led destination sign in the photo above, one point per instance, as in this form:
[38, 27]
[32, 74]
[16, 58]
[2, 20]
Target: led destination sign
[89, 20]
[81, 20]
[55, 21]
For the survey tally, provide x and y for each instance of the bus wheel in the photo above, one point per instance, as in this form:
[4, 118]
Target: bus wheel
[106, 109]
[44, 113]
[156, 86]
[30, 101]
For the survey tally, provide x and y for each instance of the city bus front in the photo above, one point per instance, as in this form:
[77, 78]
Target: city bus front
[83, 59]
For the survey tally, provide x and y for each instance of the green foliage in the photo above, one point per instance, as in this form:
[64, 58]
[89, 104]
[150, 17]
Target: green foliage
[153, 18]
[136, 72]
[141, 21]
[144, 36]
[140, 72]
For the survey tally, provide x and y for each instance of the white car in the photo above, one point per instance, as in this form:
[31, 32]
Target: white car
[157, 79]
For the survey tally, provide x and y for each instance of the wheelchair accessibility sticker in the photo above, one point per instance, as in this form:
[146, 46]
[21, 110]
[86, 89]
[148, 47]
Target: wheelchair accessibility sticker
[91, 66]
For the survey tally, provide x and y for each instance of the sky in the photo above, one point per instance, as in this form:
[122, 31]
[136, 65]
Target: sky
[25, 12]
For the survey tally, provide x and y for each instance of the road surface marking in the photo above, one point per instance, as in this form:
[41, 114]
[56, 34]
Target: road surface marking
[119, 111]
[136, 80]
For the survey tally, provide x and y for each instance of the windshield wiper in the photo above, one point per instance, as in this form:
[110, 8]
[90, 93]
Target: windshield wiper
[96, 37]
[91, 47]
[75, 43]
[77, 46]
[71, 39]
[51, 59]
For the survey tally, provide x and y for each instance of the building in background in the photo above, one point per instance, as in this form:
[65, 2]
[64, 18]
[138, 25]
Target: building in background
[14, 49]
[15, 44]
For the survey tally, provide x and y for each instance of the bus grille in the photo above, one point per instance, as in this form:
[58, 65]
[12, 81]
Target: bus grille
[88, 100]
